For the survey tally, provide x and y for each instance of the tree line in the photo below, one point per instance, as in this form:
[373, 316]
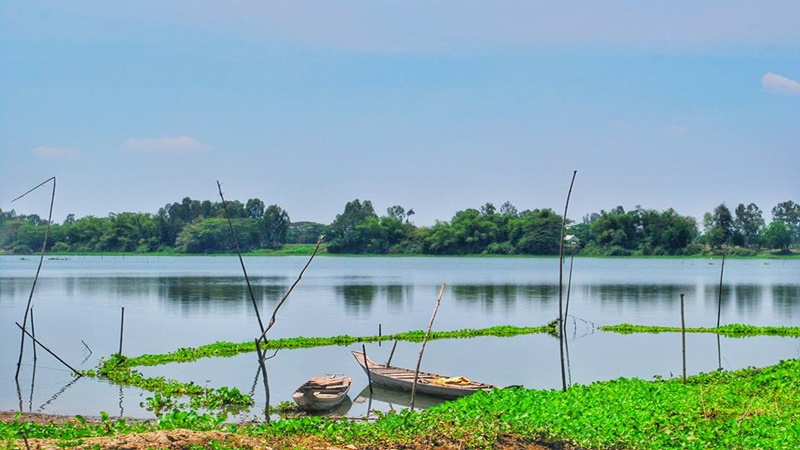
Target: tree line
[202, 227]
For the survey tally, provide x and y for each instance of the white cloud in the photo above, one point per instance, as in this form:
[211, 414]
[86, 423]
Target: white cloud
[55, 152]
[183, 144]
[778, 84]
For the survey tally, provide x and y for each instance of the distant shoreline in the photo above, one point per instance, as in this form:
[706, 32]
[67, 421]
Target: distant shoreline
[308, 252]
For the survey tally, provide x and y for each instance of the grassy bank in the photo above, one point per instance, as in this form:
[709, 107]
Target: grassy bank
[751, 408]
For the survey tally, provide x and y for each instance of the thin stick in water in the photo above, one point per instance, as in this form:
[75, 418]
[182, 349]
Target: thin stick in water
[263, 366]
[719, 298]
[366, 364]
[33, 333]
[422, 348]
[561, 284]
[289, 291]
[121, 328]
[241, 260]
[389, 362]
[48, 350]
[38, 269]
[683, 339]
[719, 310]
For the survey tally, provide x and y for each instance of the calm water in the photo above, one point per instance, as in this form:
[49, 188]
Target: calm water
[173, 302]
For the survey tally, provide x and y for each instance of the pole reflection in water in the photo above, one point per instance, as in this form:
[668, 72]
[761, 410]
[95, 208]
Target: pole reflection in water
[58, 393]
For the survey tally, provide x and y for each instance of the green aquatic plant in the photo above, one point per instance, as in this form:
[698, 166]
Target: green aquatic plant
[121, 369]
[731, 330]
[749, 408]
[159, 403]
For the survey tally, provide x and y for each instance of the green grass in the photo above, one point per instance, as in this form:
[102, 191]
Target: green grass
[744, 409]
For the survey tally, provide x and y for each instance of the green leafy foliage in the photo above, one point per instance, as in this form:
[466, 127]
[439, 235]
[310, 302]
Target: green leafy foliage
[750, 408]
[734, 330]
[121, 370]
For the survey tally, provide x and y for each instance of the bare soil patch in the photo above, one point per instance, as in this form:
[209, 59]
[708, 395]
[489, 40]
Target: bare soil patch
[182, 439]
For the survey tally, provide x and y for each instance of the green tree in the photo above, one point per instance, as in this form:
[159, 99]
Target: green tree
[666, 232]
[747, 225]
[616, 229]
[777, 235]
[536, 232]
[396, 231]
[350, 231]
[304, 232]
[254, 208]
[469, 232]
[718, 226]
[788, 212]
[274, 226]
[214, 236]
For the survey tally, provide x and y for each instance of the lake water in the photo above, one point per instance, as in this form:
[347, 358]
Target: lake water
[173, 302]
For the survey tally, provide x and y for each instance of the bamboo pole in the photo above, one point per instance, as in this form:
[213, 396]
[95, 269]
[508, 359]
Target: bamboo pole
[19, 395]
[289, 291]
[33, 333]
[241, 260]
[389, 362]
[422, 348]
[366, 364]
[561, 285]
[719, 310]
[263, 366]
[569, 284]
[38, 269]
[683, 339]
[48, 350]
[121, 328]
[719, 297]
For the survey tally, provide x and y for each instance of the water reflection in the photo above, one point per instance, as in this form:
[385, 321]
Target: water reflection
[506, 293]
[396, 398]
[637, 293]
[712, 294]
[212, 297]
[358, 298]
[207, 289]
[748, 299]
[786, 299]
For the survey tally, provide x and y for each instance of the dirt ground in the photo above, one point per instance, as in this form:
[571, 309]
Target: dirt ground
[183, 439]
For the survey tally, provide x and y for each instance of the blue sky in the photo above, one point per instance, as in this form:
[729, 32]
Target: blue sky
[435, 106]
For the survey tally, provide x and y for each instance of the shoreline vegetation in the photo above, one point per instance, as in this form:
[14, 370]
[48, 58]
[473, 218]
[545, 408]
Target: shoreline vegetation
[747, 408]
[195, 227]
[308, 250]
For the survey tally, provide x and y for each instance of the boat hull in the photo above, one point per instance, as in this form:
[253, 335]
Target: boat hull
[321, 393]
[398, 378]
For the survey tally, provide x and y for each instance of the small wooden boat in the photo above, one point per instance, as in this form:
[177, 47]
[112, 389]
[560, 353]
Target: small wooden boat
[427, 383]
[322, 393]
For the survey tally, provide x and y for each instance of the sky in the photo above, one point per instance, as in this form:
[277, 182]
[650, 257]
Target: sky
[436, 106]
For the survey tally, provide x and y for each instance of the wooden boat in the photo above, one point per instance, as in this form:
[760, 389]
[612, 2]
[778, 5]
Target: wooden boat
[321, 393]
[427, 383]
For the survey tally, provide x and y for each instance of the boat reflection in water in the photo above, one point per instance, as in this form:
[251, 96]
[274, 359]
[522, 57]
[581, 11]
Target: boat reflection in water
[396, 398]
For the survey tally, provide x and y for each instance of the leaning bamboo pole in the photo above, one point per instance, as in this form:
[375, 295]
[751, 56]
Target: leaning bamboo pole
[422, 348]
[38, 268]
[719, 310]
[241, 260]
[561, 285]
[289, 291]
